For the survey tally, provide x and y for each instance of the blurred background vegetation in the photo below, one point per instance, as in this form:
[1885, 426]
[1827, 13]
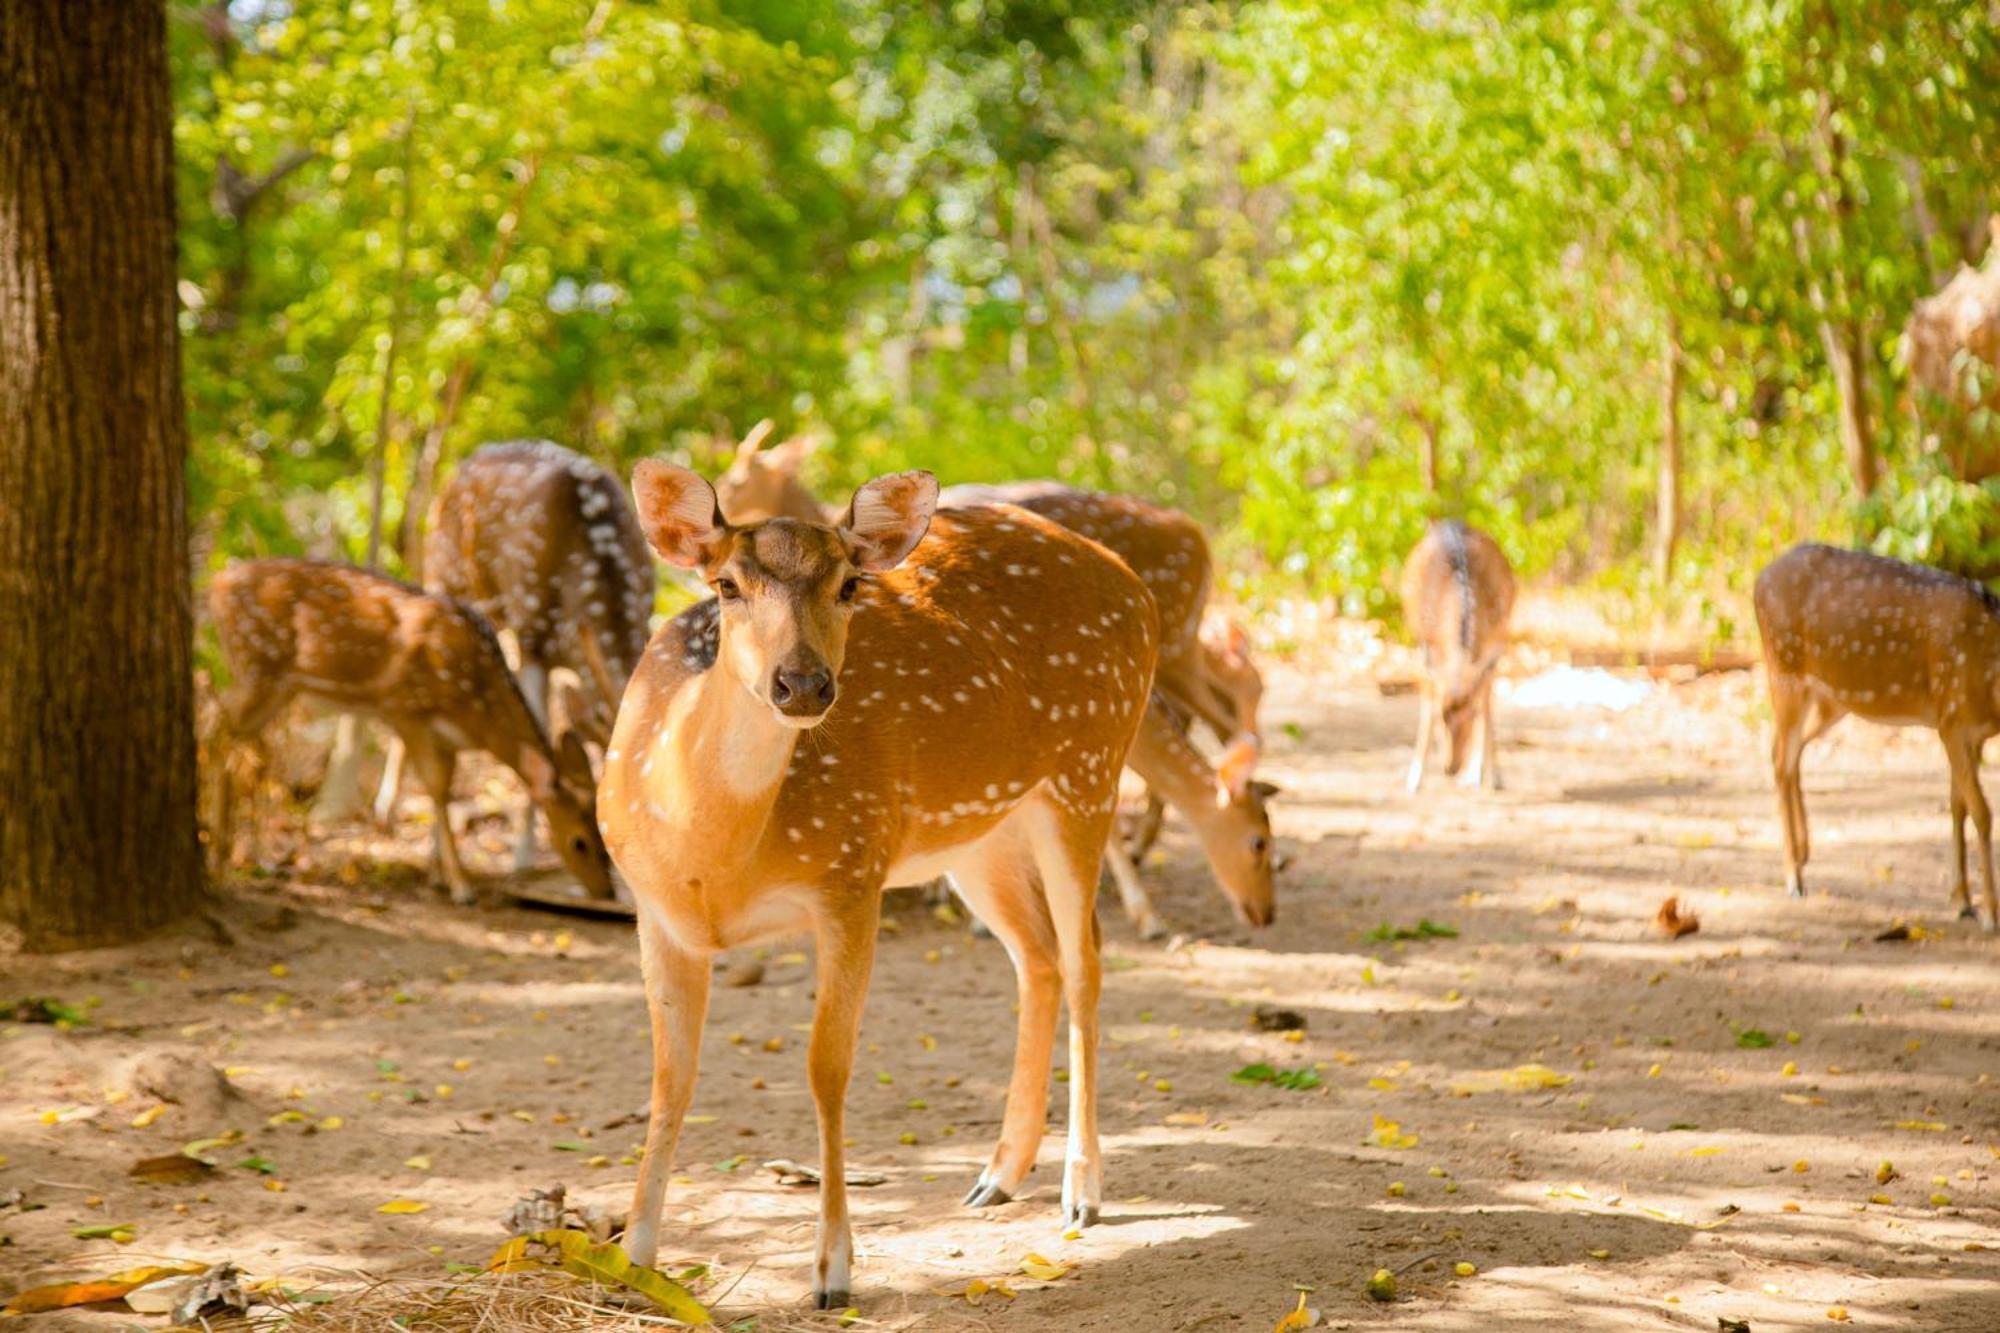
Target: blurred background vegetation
[1622, 280]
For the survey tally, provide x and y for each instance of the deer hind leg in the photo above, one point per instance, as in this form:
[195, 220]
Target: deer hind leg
[1489, 749]
[1789, 708]
[1426, 724]
[391, 789]
[1963, 751]
[534, 688]
[435, 765]
[677, 1003]
[1002, 887]
[845, 935]
[1067, 847]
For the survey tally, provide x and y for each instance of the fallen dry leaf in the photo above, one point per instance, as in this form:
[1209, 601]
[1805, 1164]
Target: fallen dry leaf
[1521, 1078]
[63, 1295]
[1042, 1269]
[602, 1262]
[1389, 1134]
[170, 1169]
[400, 1207]
[1674, 923]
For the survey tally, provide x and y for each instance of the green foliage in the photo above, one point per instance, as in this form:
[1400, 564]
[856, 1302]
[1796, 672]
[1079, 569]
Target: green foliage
[1254, 259]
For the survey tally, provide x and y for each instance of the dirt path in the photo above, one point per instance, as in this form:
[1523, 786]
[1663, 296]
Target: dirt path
[1677, 1177]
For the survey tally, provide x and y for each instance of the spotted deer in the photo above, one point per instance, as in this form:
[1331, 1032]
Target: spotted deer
[839, 720]
[543, 542]
[427, 666]
[1170, 553]
[1458, 596]
[1900, 644]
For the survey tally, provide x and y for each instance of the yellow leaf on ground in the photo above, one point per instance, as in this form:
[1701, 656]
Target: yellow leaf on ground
[1389, 1134]
[421, 1162]
[1521, 1078]
[1299, 1318]
[62, 1295]
[1045, 1270]
[402, 1206]
[149, 1115]
[574, 1252]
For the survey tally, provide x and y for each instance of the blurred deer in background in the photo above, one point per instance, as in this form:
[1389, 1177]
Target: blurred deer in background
[1900, 644]
[1458, 595]
[832, 725]
[543, 542]
[427, 666]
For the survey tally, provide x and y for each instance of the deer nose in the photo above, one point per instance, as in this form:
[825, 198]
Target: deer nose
[802, 693]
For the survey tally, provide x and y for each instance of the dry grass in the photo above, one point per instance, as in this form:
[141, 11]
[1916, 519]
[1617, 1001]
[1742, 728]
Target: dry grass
[526, 1302]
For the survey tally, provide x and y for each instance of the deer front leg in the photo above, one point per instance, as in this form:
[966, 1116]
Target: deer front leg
[435, 764]
[845, 938]
[677, 1002]
[1132, 893]
[1489, 747]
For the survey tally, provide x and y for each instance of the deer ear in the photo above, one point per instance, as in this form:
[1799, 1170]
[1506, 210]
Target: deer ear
[793, 453]
[573, 761]
[754, 439]
[677, 511]
[1237, 644]
[1234, 770]
[1264, 791]
[888, 517]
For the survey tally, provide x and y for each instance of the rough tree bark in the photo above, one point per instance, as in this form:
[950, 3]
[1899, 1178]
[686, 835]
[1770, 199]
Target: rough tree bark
[97, 751]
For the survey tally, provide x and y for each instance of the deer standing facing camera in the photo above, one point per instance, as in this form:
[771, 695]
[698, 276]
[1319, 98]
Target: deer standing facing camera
[839, 721]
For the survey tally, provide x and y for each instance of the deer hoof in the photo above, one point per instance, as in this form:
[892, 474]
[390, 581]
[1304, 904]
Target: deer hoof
[985, 1194]
[831, 1300]
[1080, 1215]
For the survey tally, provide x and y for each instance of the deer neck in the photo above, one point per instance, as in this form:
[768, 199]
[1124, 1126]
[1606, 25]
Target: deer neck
[721, 756]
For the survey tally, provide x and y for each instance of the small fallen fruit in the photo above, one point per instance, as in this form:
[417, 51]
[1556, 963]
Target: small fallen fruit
[1465, 1269]
[1396, 1189]
[1382, 1286]
[1885, 1173]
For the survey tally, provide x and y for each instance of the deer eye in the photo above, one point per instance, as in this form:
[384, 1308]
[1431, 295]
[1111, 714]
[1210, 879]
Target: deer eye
[1259, 844]
[727, 590]
[849, 588]
[579, 845]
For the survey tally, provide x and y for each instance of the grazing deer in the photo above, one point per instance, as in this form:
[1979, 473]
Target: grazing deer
[1224, 804]
[1237, 688]
[837, 722]
[542, 541]
[428, 666]
[1458, 593]
[1900, 644]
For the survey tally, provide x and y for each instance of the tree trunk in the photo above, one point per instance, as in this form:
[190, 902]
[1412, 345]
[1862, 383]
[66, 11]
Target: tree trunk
[1667, 517]
[97, 754]
[1847, 351]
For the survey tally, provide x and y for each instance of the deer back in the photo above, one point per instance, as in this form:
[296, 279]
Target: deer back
[544, 542]
[1886, 639]
[1165, 548]
[1458, 597]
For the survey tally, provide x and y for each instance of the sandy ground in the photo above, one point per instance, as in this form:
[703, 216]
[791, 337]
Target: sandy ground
[386, 1046]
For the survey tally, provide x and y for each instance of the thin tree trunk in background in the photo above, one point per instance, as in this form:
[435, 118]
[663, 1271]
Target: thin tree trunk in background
[1847, 350]
[97, 750]
[1667, 517]
[1427, 455]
